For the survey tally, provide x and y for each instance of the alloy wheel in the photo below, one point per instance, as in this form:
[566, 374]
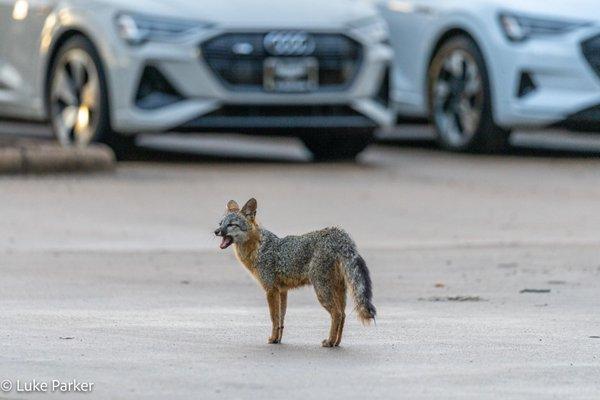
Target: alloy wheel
[458, 97]
[75, 98]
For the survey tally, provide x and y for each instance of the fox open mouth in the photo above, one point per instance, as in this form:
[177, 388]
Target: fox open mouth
[226, 242]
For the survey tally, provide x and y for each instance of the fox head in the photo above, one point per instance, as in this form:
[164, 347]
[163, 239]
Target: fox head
[238, 224]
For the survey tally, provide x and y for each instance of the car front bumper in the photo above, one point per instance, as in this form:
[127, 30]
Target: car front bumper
[587, 120]
[545, 81]
[204, 94]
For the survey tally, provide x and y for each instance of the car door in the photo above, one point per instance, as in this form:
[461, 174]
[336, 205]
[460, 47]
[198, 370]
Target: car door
[21, 24]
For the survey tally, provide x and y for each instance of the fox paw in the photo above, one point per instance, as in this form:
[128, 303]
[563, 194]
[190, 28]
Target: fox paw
[327, 343]
[274, 340]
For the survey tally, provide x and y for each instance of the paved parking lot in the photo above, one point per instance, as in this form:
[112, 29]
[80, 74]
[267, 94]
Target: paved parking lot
[486, 273]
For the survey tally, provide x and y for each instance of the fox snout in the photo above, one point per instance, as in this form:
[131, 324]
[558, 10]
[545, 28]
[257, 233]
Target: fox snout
[227, 240]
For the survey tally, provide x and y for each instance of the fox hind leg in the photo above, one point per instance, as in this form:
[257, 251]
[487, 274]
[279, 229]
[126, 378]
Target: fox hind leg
[332, 295]
[336, 319]
[340, 302]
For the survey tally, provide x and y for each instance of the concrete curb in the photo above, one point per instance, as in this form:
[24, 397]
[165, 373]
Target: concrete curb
[44, 157]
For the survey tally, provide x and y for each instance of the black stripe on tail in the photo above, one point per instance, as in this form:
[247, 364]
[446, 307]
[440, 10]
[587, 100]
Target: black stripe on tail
[357, 275]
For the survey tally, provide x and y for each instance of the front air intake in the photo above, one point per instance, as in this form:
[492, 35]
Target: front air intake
[526, 85]
[591, 51]
[155, 91]
[383, 95]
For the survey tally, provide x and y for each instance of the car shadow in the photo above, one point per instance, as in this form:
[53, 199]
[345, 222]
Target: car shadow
[227, 149]
[231, 148]
[555, 144]
[142, 155]
[551, 153]
[151, 155]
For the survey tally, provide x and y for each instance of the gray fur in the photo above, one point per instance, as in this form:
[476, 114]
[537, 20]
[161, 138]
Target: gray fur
[312, 256]
[309, 258]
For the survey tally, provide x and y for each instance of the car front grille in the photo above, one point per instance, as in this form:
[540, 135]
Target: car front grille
[591, 51]
[237, 59]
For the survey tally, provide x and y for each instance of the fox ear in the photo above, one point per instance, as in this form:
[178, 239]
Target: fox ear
[249, 209]
[232, 206]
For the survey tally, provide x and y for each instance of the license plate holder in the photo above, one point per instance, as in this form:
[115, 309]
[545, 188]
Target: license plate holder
[291, 74]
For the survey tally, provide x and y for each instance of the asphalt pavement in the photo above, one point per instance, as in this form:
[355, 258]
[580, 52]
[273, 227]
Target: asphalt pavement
[486, 273]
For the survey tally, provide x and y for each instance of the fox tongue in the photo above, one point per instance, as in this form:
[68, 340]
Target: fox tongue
[226, 242]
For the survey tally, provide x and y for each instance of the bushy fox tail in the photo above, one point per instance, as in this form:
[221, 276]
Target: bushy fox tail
[357, 276]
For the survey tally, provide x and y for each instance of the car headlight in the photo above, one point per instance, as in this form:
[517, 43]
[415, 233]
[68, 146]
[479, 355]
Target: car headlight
[519, 28]
[136, 29]
[374, 30]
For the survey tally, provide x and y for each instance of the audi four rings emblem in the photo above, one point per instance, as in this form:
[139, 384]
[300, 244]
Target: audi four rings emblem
[289, 43]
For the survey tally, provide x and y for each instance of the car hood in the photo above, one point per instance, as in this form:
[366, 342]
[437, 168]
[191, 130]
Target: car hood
[585, 10]
[255, 13]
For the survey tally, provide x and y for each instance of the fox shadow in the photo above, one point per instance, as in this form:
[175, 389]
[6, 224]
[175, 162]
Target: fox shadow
[312, 352]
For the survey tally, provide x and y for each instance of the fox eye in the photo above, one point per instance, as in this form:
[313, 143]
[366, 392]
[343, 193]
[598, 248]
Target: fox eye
[233, 225]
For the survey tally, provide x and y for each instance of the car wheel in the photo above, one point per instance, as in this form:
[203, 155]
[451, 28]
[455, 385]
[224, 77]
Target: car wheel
[460, 99]
[338, 145]
[78, 99]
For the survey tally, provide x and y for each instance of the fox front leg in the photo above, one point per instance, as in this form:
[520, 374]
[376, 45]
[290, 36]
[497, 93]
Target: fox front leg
[273, 300]
[282, 310]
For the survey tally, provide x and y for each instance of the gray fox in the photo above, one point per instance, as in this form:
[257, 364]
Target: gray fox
[327, 259]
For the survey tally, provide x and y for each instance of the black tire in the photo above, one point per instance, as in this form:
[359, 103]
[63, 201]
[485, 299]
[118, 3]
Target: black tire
[484, 136]
[101, 131]
[338, 145]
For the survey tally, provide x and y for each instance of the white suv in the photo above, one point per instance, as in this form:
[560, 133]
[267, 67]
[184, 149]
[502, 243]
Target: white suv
[480, 68]
[104, 70]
